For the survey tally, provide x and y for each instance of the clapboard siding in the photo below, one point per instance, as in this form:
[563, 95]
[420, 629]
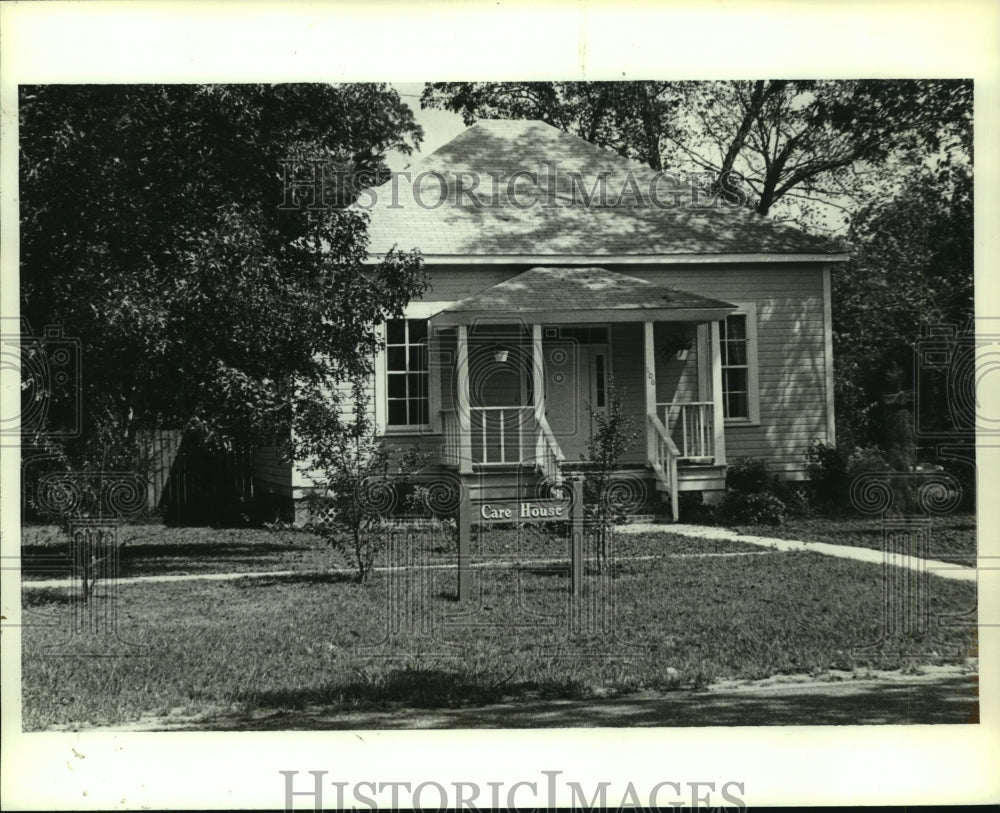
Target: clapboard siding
[790, 347]
[792, 366]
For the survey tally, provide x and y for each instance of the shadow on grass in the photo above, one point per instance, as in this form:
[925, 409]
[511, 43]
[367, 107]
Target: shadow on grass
[410, 688]
[253, 582]
[459, 704]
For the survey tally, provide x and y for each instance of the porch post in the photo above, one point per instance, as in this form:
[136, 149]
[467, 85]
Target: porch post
[718, 417]
[462, 394]
[538, 386]
[649, 380]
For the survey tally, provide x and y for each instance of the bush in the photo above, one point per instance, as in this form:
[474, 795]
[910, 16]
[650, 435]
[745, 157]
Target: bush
[827, 468]
[694, 510]
[750, 494]
[832, 471]
[749, 475]
[755, 508]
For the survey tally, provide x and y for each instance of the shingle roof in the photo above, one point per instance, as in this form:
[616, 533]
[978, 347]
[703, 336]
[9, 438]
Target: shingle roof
[571, 289]
[478, 200]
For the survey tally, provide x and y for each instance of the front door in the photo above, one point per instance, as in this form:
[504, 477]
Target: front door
[576, 382]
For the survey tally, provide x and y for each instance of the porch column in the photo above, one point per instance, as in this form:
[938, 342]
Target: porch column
[649, 378]
[718, 417]
[538, 386]
[463, 410]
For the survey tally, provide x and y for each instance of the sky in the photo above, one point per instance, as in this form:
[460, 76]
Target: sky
[440, 126]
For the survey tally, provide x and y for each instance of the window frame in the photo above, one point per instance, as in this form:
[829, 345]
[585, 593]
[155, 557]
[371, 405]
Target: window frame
[385, 373]
[752, 366]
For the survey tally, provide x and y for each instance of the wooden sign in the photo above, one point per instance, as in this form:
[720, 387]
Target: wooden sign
[522, 511]
[518, 511]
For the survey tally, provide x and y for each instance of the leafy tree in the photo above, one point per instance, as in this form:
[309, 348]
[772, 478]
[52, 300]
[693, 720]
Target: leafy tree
[361, 477]
[153, 230]
[807, 141]
[614, 432]
[911, 266]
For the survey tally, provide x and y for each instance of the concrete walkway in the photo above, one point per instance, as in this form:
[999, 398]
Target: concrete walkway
[946, 570]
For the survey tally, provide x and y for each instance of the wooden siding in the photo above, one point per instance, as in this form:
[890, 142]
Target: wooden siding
[793, 370]
[791, 354]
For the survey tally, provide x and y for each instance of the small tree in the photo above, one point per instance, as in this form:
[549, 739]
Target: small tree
[362, 475]
[612, 435]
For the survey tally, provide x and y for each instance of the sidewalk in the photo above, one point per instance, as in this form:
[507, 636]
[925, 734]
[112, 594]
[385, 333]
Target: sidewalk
[946, 570]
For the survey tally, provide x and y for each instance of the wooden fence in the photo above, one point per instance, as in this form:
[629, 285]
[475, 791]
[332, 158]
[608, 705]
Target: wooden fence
[190, 484]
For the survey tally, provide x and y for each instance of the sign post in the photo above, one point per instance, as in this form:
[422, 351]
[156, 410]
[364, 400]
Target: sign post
[576, 537]
[464, 547]
[516, 512]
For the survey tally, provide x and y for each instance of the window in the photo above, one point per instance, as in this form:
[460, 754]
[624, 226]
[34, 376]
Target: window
[600, 380]
[738, 340]
[406, 372]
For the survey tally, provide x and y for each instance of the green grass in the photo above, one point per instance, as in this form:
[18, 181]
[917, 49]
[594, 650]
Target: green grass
[251, 646]
[953, 537]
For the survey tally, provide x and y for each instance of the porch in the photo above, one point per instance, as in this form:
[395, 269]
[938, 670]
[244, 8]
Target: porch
[518, 372]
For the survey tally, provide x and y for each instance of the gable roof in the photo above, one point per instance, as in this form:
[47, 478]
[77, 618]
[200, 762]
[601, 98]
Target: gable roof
[577, 292]
[508, 188]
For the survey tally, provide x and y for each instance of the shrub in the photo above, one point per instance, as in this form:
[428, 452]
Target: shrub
[827, 468]
[693, 509]
[750, 494]
[749, 475]
[754, 508]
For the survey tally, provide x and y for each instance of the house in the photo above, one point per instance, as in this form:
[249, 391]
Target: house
[555, 265]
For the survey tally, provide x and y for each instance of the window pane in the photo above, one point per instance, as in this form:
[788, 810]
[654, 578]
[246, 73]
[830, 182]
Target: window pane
[395, 331]
[397, 413]
[734, 353]
[418, 357]
[418, 384]
[736, 405]
[734, 380]
[736, 327]
[418, 330]
[397, 386]
[418, 410]
[395, 359]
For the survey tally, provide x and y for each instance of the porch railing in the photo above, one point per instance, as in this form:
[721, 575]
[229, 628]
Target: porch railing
[662, 454]
[692, 426]
[501, 436]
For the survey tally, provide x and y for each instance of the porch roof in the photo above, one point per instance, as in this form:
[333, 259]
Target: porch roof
[571, 295]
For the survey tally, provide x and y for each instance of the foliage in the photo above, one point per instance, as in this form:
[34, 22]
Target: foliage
[911, 269]
[754, 508]
[832, 469]
[614, 432]
[361, 477]
[799, 139]
[152, 230]
[750, 494]
[749, 475]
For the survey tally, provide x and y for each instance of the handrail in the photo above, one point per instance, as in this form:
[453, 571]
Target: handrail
[662, 454]
[548, 453]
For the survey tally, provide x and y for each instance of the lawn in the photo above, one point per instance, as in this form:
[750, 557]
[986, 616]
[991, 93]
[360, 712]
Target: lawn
[666, 616]
[952, 538]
